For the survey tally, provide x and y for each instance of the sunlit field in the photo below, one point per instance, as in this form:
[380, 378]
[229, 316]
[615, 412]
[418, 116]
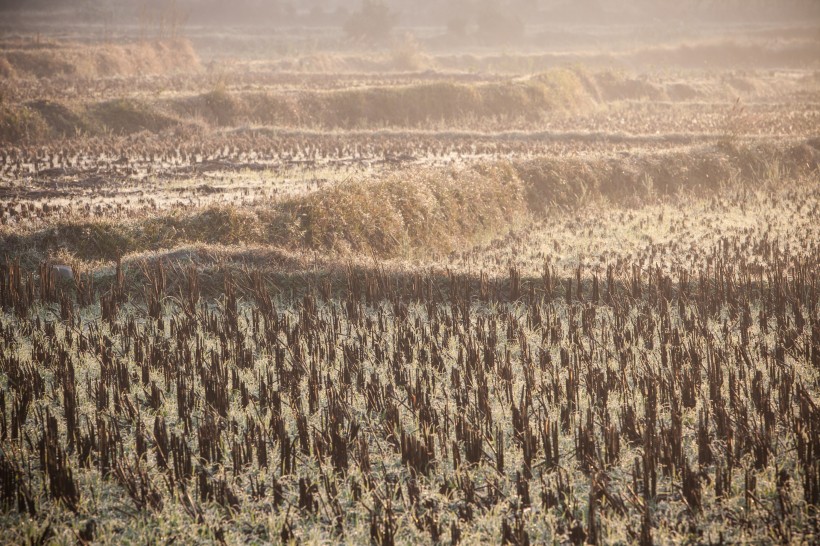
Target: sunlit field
[461, 273]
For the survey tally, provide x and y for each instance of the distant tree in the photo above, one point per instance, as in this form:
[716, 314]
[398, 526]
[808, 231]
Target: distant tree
[373, 22]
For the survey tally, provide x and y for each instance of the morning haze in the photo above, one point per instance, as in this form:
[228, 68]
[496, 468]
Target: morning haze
[364, 271]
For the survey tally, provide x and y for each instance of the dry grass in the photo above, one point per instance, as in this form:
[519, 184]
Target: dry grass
[423, 407]
[123, 116]
[414, 105]
[432, 211]
[63, 120]
[21, 124]
[569, 99]
[25, 59]
[572, 306]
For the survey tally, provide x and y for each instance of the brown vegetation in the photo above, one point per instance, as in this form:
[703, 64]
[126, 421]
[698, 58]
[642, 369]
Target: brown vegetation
[410, 296]
[25, 58]
[433, 210]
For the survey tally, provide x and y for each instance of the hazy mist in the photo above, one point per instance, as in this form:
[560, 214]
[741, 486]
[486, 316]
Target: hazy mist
[432, 12]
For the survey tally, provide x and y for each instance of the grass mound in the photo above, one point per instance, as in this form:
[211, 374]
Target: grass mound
[568, 181]
[449, 102]
[125, 116]
[21, 124]
[412, 106]
[88, 240]
[26, 59]
[218, 107]
[62, 120]
[404, 106]
[223, 225]
[434, 210]
[615, 86]
[430, 211]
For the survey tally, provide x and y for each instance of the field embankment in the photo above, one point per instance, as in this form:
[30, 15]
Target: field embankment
[49, 59]
[426, 211]
[779, 50]
[583, 99]
[740, 53]
[411, 105]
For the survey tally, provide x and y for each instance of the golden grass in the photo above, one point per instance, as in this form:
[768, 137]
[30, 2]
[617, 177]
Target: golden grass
[19, 123]
[432, 211]
[414, 105]
[27, 59]
[123, 116]
[61, 119]
[411, 105]
[524, 103]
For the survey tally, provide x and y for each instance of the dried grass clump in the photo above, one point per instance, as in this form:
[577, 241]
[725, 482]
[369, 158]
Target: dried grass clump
[278, 110]
[408, 105]
[414, 105]
[7, 71]
[408, 56]
[56, 59]
[614, 85]
[449, 102]
[218, 107]
[569, 88]
[107, 239]
[43, 63]
[62, 120]
[428, 209]
[20, 124]
[89, 240]
[728, 53]
[224, 225]
[570, 181]
[172, 55]
[124, 116]
[143, 58]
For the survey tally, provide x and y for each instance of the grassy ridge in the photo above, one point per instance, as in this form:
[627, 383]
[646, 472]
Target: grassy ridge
[413, 105]
[507, 102]
[27, 59]
[428, 210]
